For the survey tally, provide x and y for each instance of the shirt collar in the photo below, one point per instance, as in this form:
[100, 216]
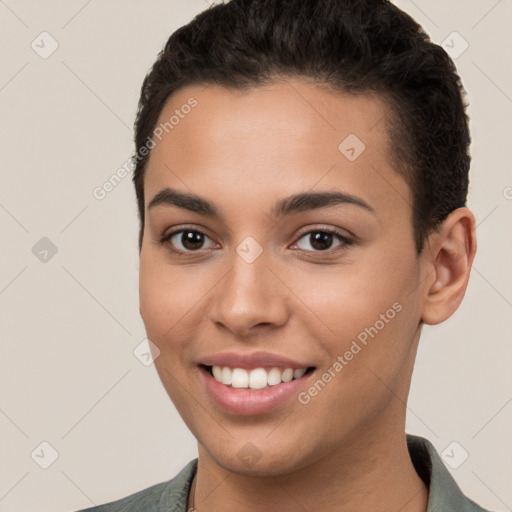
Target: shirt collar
[444, 493]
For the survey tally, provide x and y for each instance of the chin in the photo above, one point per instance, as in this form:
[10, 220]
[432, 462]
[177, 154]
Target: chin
[259, 457]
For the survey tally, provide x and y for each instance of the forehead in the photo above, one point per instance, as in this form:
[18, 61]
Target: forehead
[271, 139]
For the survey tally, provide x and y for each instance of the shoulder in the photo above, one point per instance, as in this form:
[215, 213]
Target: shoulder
[147, 499]
[444, 493]
[168, 496]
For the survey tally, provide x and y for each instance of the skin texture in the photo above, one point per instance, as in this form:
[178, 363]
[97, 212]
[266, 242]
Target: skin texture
[244, 150]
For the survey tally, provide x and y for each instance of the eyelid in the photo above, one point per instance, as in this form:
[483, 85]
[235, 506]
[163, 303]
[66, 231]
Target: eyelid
[185, 227]
[343, 233]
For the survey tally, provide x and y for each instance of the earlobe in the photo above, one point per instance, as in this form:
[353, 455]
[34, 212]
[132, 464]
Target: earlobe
[452, 250]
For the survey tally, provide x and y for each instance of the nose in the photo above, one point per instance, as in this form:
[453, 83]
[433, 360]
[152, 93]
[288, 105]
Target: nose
[250, 299]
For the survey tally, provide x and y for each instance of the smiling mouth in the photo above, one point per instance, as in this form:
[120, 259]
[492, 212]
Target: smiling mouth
[256, 378]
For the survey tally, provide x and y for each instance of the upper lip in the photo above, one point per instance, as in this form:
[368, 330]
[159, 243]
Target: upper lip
[252, 360]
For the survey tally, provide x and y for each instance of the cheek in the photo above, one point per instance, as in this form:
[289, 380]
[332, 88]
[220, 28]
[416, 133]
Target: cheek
[166, 297]
[167, 301]
[350, 298]
[155, 303]
[369, 313]
[367, 348]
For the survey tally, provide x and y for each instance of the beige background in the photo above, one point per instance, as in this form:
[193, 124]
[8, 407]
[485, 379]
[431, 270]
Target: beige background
[69, 325]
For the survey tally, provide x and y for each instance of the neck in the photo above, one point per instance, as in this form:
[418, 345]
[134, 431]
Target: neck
[376, 475]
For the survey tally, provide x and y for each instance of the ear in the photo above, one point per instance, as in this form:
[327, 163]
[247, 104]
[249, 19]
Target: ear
[449, 254]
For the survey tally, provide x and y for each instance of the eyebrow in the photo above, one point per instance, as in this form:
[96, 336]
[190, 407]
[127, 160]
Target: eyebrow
[295, 203]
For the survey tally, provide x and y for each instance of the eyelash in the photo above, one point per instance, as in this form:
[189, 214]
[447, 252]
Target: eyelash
[346, 242]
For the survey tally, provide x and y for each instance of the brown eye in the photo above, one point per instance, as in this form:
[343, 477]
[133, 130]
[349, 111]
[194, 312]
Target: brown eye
[191, 240]
[186, 240]
[322, 240]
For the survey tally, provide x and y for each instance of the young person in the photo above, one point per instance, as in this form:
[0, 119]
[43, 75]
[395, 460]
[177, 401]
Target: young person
[301, 173]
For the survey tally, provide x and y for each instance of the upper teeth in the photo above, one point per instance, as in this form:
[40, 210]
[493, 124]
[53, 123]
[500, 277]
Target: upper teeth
[258, 378]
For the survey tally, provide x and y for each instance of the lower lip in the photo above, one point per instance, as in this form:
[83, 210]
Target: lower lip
[251, 401]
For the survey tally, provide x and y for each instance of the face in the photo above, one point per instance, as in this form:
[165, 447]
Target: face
[326, 282]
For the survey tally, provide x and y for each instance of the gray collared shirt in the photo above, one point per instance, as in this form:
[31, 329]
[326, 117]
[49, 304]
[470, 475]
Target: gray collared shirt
[171, 496]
